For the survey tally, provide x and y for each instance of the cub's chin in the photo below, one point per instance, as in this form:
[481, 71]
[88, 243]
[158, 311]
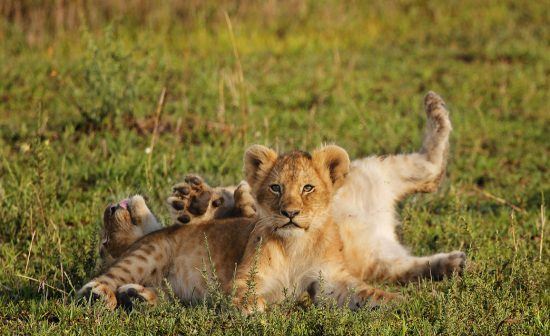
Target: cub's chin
[290, 229]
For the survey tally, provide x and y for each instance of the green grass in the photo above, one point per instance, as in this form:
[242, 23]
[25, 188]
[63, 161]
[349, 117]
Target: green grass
[77, 111]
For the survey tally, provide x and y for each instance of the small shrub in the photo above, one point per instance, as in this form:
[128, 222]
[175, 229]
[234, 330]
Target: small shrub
[108, 83]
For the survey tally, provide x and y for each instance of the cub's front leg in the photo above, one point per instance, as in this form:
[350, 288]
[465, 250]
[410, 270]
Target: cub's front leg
[245, 204]
[344, 288]
[261, 264]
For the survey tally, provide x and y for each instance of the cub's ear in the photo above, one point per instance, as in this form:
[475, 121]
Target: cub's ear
[258, 161]
[335, 160]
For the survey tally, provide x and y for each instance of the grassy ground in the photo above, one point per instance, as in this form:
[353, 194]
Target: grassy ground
[77, 116]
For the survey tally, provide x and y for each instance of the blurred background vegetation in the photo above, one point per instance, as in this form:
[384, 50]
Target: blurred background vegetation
[81, 125]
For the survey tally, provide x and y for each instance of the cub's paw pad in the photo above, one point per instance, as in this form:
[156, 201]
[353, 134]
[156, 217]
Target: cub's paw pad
[195, 181]
[189, 199]
[94, 291]
[181, 189]
[218, 202]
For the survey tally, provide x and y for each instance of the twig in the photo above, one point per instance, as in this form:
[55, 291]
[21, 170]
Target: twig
[42, 283]
[30, 250]
[542, 222]
[234, 45]
[160, 105]
[243, 103]
[513, 225]
[499, 200]
[70, 282]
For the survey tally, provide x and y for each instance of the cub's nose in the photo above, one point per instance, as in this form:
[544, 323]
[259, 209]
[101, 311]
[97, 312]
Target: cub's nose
[290, 213]
[113, 208]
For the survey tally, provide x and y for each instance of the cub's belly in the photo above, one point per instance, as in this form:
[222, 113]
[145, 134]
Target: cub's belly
[186, 279]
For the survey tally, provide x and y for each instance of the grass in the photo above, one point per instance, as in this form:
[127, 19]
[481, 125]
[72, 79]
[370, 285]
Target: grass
[77, 116]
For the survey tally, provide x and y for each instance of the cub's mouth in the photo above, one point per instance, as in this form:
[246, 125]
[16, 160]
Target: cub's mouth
[290, 225]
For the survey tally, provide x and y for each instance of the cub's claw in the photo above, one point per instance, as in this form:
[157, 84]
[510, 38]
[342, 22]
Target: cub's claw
[93, 291]
[448, 264]
[127, 293]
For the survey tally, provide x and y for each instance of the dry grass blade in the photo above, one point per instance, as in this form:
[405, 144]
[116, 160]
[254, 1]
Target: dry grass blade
[30, 250]
[542, 222]
[158, 112]
[243, 104]
[499, 200]
[42, 283]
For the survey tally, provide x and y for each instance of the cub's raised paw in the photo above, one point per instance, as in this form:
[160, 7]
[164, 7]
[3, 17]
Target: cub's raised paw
[437, 113]
[193, 200]
[94, 291]
[445, 265]
[128, 293]
[244, 201]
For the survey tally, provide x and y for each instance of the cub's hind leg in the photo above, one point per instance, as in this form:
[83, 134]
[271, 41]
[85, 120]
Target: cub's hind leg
[421, 171]
[435, 267]
[144, 264]
[345, 288]
[402, 268]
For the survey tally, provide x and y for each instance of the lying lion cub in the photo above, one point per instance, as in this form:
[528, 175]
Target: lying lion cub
[363, 208]
[299, 241]
[192, 202]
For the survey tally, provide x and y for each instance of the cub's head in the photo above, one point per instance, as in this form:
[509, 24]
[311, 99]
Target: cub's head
[123, 224]
[294, 190]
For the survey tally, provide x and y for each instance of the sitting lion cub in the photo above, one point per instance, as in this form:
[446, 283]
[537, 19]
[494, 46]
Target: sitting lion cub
[300, 242]
[296, 238]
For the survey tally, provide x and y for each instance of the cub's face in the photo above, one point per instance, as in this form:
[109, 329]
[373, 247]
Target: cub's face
[123, 224]
[294, 190]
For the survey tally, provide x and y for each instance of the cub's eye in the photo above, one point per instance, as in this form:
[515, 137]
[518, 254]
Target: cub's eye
[308, 188]
[275, 188]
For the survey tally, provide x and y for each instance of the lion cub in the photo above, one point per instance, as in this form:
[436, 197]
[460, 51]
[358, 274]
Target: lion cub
[300, 243]
[297, 239]
[192, 202]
